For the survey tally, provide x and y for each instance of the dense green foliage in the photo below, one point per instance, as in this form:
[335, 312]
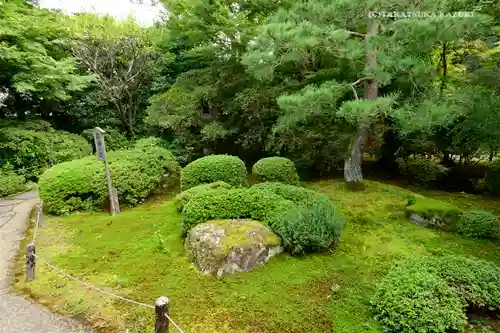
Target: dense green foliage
[255, 204]
[433, 293]
[186, 196]
[214, 168]
[275, 169]
[479, 224]
[411, 301]
[289, 192]
[492, 179]
[35, 150]
[11, 183]
[81, 185]
[419, 169]
[312, 227]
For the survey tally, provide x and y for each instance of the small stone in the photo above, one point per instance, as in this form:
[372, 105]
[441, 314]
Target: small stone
[224, 247]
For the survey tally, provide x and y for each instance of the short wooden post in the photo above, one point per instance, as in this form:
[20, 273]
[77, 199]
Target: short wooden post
[161, 310]
[40, 220]
[30, 262]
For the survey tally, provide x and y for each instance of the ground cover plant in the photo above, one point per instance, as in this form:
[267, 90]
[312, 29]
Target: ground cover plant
[141, 255]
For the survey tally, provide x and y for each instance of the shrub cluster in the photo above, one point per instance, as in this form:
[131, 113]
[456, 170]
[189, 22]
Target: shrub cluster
[421, 170]
[433, 293]
[275, 169]
[214, 168]
[81, 185]
[26, 149]
[491, 181]
[312, 227]
[11, 183]
[184, 197]
[479, 224]
[232, 204]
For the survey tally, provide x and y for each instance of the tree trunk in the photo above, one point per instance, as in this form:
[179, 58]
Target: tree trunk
[444, 62]
[353, 174]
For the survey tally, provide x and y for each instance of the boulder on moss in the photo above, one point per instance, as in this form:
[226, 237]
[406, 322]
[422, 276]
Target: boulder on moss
[223, 247]
[434, 213]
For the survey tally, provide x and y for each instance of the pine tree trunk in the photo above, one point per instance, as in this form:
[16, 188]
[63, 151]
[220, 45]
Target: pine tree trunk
[353, 174]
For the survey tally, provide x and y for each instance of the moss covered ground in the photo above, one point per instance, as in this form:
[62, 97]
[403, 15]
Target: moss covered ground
[141, 256]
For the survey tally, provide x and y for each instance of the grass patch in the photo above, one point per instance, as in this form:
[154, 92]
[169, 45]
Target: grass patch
[141, 256]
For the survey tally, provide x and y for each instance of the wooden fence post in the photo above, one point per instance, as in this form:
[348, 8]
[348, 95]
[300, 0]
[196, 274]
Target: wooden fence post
[161, 310]
[30, 262]
[40, 220]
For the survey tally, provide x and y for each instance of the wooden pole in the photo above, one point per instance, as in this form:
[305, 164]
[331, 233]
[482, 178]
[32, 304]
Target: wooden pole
[30, 262]
[100, 146]
[40, 220]
[161, 310]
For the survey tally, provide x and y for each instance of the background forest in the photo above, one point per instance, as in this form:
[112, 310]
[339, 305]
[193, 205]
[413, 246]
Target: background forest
[323, 83]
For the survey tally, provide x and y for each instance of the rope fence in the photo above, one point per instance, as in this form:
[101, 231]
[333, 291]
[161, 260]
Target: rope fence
[162, 317]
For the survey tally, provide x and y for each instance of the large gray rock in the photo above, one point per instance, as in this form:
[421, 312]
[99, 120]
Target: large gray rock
[227, 246]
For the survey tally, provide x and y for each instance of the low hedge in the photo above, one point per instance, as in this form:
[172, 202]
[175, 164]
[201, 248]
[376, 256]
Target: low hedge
[275, 169]
[289, 192]
[11, 183]
[214, 168]
[312, 226]
[81, 185]
[435, 292]
[250, 203]
[184, 197]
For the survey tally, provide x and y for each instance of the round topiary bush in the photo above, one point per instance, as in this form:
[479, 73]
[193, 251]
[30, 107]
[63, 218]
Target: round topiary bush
[288, 192]
[421, 170]
[491, 181]
[233, 204]
[410, 301]
[433, 293]
[312, 226]
[81, 185]
[479, 224]
[184, 197]
[275, 169]
[214, 168]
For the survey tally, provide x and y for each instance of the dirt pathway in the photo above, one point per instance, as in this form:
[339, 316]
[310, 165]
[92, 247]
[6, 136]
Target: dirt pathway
[16, 313]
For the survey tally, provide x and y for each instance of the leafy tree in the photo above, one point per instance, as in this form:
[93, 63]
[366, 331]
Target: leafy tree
[122, 57]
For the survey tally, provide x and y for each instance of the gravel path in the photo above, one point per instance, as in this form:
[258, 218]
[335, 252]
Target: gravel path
[16, 313]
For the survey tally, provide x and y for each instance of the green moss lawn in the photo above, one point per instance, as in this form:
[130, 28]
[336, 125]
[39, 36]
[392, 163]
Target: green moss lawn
[141, 256]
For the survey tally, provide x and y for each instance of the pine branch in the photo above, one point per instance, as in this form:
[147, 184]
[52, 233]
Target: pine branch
[357, 82]
[357, 34]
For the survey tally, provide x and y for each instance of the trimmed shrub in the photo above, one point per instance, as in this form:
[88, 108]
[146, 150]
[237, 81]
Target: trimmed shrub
[491, 181]
[312, 227]
[289, 192]
[80, 184]
[421, 170]
[479, 224]
[250, 203]
[184, 197]
[440, 214]
[276, 169]
[214, 168]
[411, 301]
[11, 183]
